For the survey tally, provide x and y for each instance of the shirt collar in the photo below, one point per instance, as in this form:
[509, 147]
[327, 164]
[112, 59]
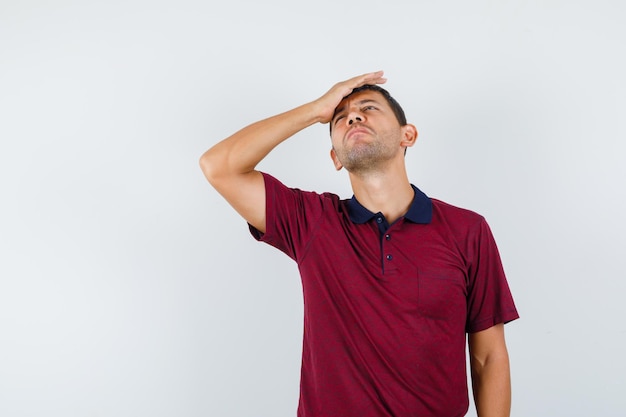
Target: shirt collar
[420, 211]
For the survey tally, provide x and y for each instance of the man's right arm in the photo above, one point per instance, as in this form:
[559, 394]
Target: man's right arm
[230, 165]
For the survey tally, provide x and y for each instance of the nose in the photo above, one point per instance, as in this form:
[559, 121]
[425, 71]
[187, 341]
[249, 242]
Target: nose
[354, 117]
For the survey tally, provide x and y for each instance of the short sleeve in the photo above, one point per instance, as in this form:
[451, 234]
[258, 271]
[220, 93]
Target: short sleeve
[292, 216]
[489, 297]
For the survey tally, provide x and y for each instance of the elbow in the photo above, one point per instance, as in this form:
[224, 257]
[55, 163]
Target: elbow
[222, 165]
[209, 164]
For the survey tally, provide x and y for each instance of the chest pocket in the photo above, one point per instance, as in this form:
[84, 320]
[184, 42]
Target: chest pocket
[441, 294]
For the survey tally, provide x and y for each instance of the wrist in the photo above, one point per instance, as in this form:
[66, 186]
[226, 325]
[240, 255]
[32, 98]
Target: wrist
[319, 112]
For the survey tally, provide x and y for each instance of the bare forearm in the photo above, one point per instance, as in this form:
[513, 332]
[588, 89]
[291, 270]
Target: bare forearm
[492, 387]
[241, 152]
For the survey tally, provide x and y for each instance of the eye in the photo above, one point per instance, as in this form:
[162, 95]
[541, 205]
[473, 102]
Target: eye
[368, 108]
[337, 118]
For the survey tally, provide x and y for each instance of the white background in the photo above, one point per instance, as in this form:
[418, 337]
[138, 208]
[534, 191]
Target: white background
[128, 287]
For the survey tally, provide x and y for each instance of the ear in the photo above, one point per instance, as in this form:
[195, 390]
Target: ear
[333, 156]
[409, 135]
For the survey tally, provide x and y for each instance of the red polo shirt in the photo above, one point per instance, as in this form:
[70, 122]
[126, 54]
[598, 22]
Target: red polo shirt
[387, 307]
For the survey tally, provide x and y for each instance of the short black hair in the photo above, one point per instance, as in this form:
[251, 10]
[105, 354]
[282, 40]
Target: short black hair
[395, 106]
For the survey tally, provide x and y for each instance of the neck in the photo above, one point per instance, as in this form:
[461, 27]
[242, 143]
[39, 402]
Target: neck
[387, 192]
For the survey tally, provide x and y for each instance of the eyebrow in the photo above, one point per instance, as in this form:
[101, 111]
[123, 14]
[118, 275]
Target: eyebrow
[360, 103]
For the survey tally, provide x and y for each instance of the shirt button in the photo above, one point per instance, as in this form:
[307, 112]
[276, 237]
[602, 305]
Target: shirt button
[388, 237]
[389, 257]
[379, 219]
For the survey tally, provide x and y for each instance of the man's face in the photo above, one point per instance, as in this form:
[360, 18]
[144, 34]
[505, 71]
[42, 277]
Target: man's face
[365, 132]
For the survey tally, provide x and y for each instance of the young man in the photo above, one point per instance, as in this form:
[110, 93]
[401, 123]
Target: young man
[393, 280]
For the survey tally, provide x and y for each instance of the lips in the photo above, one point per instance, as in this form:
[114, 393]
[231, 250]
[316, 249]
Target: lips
[356, 130]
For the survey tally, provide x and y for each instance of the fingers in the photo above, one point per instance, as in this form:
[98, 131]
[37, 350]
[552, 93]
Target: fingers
[329, 101]
[361, 80]
[345, 87]
[370, 78]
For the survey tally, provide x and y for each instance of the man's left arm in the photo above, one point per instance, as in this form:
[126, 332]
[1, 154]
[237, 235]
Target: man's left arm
[491, 377]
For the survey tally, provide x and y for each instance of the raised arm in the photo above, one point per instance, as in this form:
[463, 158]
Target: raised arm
[230, 165]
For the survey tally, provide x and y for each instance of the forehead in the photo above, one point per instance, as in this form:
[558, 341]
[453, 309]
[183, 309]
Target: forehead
[361, 96]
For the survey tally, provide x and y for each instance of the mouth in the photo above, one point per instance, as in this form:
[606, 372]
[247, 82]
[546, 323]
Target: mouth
[357, 130]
